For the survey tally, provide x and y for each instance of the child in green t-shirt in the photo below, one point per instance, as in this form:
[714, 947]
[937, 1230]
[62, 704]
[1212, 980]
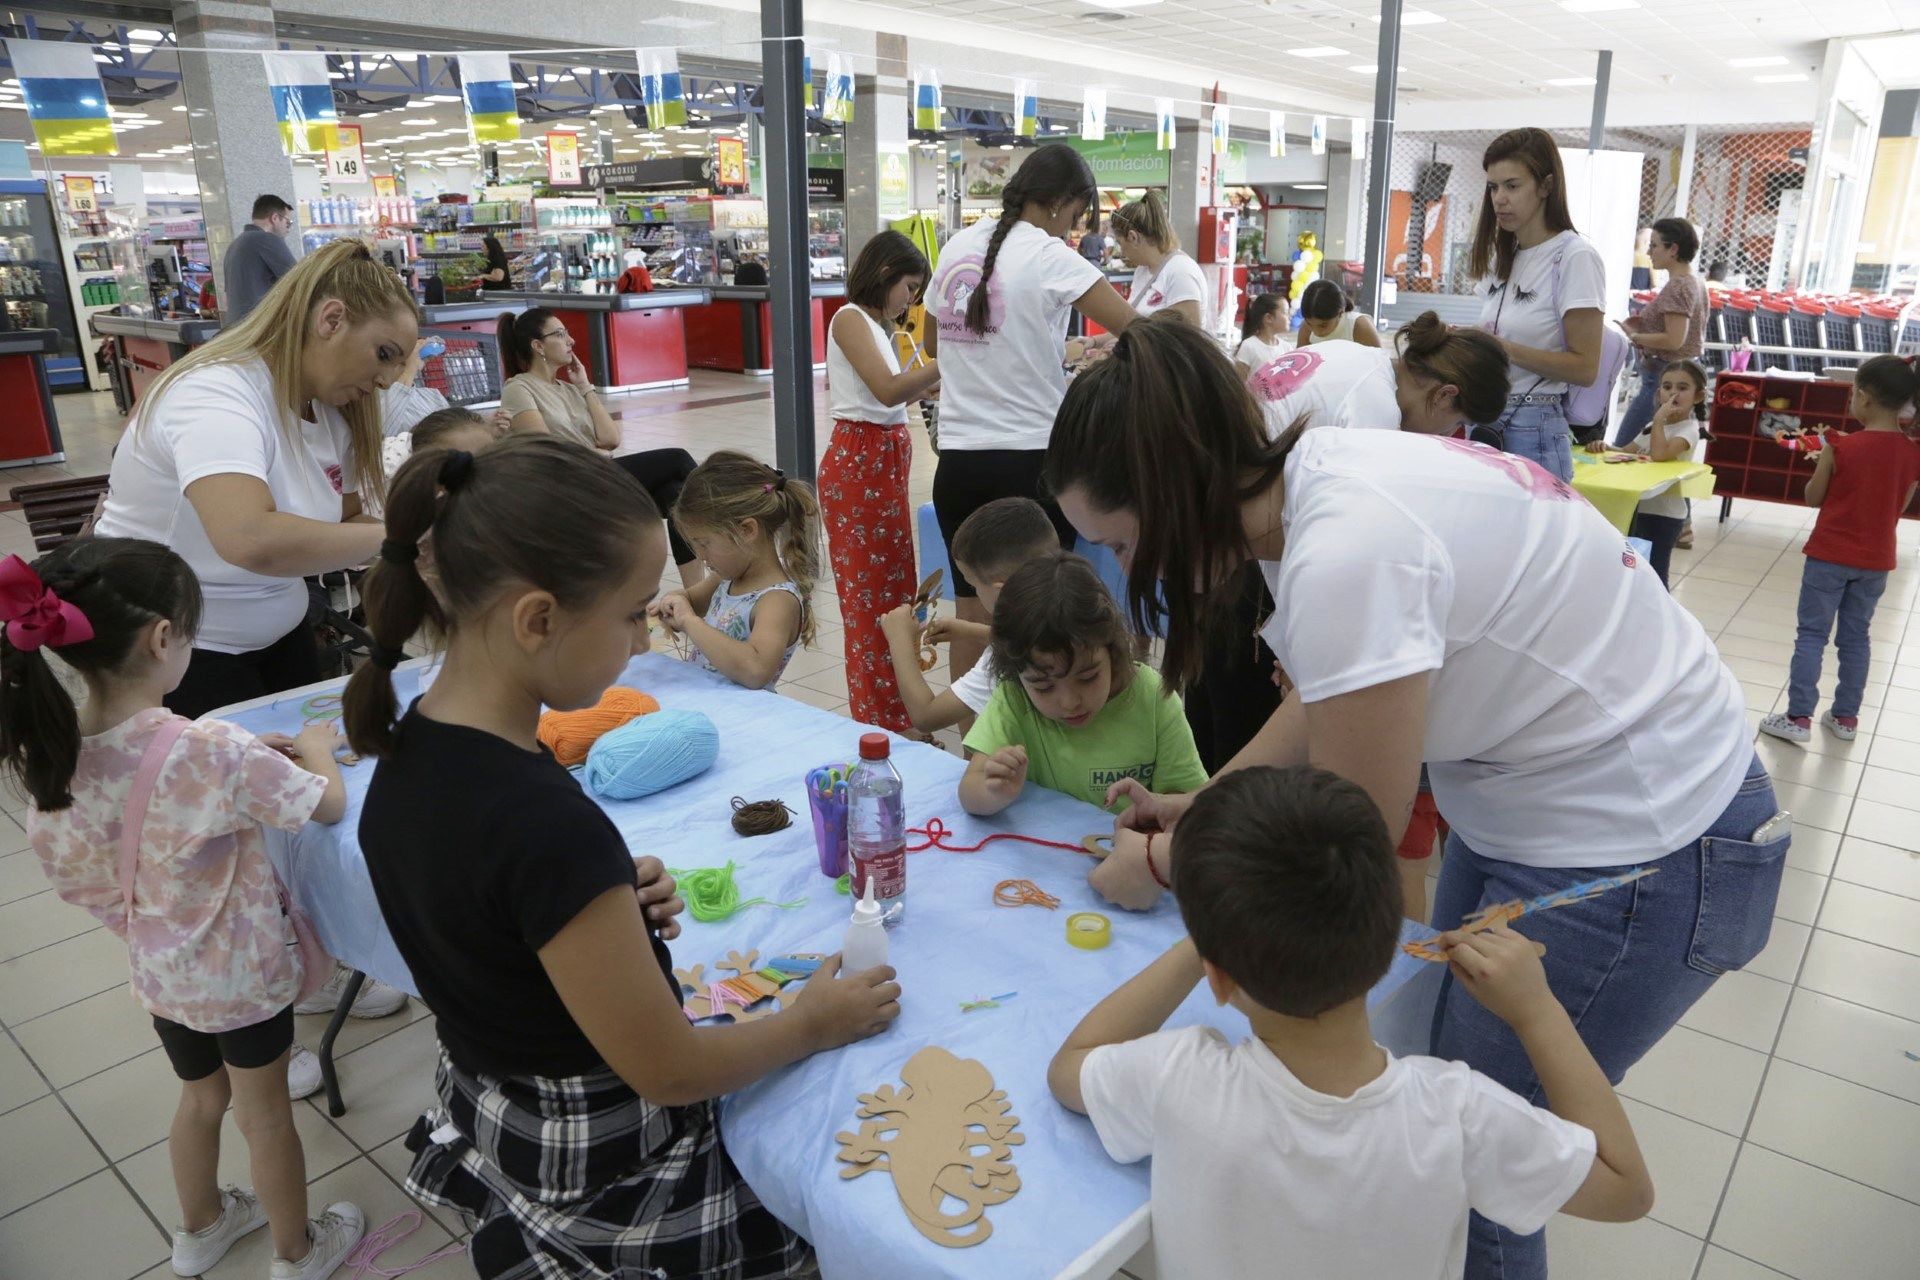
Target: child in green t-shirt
[1073, 710]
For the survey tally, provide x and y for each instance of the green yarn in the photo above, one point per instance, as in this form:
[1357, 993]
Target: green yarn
[711, 893]
[844, 885]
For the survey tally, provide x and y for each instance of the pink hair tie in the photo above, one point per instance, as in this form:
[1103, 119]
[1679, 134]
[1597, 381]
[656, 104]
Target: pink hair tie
[34, 615]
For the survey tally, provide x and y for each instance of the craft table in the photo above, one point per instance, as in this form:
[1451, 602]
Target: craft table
[1616, 488]
[1078, 1213]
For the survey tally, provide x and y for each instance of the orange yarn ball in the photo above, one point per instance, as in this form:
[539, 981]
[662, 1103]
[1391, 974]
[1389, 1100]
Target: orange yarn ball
[571, 734]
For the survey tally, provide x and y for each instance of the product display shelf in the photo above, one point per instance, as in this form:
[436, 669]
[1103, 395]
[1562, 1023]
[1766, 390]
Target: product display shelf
[1748, 410]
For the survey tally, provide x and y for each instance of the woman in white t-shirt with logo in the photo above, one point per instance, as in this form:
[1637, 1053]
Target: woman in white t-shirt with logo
[1164, 277]
[1435, 380]
[1543, 294]
[1438, 601]
[249, 458]
[998, 307]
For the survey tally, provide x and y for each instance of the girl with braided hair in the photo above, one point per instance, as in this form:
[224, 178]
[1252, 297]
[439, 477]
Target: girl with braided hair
[999, 304]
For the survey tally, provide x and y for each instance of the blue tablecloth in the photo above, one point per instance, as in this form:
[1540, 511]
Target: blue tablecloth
[952, 945]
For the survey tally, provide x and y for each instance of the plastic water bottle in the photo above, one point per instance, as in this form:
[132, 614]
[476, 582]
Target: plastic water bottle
[877, 825]
[865, 946]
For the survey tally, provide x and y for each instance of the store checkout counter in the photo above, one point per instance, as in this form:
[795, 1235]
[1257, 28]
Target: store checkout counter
[734, 331]
[143, 348]
[628, 341]
[29, 433]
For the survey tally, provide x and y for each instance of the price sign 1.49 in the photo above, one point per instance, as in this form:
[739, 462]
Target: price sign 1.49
[344, 162]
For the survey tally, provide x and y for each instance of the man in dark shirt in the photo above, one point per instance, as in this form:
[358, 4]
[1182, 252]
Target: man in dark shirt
[1093, 246]
[750, 271]
[258, 258]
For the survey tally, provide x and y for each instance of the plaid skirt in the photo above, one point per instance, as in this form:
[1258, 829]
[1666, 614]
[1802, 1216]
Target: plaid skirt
[580, 1177]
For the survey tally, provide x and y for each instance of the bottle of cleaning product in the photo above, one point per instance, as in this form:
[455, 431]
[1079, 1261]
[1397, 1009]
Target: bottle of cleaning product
[877, 825]
[865, 946]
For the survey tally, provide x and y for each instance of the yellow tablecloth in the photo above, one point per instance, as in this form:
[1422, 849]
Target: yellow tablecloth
[1616, 488]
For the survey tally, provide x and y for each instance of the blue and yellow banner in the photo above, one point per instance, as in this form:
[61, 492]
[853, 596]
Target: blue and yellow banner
[1026, 109]
[486, 86]
[806, 81]
[1276, 133]
[1163, 134]
[926, 99]
[65, 100]
[838, 107]
[1222, 128]
[1093, 115]
[660, 88]
[303, 102]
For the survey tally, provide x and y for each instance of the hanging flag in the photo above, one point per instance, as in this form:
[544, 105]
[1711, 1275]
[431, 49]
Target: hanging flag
[1163, 112]
[1093, 115]
[839, 101]
[1222, 127]
[486, 85]
[1276, 133]
[1026, 109]
[1359, 138]
[806, 81]
[302, 102]
[926, 99]
[65, 101]
[1319, 135]
[660, 88]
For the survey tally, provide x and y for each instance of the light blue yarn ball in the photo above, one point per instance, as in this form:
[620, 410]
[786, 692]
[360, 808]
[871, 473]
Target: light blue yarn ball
[651, 754]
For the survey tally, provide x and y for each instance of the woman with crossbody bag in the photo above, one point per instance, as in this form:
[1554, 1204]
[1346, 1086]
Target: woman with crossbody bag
[156, 825]
[1543, 294]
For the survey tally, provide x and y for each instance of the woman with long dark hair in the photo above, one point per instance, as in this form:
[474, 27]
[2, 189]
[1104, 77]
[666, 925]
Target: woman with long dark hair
[998, 306]
[1438, 601]
[1543, 290]
[537, 350]
[864, 502]
[499, 271]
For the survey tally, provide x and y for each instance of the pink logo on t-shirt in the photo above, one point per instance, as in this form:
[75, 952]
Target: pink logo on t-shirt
[953, 288]
[1280, 378]
[335, 477]
[1156, 298]
[1524, 472]
[1627, 556]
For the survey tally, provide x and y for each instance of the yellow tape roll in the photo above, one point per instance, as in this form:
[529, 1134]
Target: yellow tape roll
[1089, 930]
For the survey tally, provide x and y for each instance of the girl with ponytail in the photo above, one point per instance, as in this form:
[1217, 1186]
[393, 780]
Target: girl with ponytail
[1164, 278]
[158, 827]
[1435, 601]
[760, 534]
[999, 303]
[576, 1127]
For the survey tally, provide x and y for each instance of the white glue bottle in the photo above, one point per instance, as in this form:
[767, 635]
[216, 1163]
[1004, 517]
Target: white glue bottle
[865, 946]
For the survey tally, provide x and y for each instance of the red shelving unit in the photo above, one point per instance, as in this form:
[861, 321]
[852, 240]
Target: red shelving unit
[1747, 464]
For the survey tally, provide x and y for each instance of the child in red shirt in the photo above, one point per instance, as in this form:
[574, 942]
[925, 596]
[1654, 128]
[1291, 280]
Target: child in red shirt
[1862, 483]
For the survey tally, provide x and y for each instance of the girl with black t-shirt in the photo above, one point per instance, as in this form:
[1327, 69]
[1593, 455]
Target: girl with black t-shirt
[576, 1125]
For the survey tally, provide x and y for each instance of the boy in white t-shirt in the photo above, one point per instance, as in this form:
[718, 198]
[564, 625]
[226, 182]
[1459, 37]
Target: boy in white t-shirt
[1308, 1145]
[987, 547]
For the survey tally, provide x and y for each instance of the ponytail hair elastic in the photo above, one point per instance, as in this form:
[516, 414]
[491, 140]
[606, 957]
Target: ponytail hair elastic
[779, 484]
[387, 659]
[398, 551]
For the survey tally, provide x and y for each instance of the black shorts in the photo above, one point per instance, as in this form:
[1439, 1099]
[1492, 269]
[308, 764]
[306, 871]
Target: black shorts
[195, 1055]
[968, 479]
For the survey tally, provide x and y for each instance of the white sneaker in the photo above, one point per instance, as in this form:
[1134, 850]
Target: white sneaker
[197, 1251]
[376, 999]
[303, 1073]
[334, 1234]
[1792, 728]
[1840, 728]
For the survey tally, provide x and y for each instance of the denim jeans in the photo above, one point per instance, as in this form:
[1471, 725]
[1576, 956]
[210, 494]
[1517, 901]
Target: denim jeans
[1627, 964]
[1537, 432]
[1662, 532]
[1640, 409]
[1828, 590]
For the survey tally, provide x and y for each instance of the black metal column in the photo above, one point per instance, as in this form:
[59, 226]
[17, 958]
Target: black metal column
[788, 276]
[1386, 86]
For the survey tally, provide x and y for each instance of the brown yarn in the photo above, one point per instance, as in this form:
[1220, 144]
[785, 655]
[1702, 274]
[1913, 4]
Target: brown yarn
[760, 817]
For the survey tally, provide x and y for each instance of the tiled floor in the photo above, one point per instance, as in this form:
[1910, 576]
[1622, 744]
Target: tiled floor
[1781, 1118]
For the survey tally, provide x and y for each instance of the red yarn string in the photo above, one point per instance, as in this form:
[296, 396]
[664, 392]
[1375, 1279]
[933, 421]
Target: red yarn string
[936, 834]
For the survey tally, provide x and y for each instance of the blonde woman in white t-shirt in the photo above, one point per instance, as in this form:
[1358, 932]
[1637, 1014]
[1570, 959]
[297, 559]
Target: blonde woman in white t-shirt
[1164, 277]
[997, 311]
[1440, 602]
[1543, 295]
[249, 458]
